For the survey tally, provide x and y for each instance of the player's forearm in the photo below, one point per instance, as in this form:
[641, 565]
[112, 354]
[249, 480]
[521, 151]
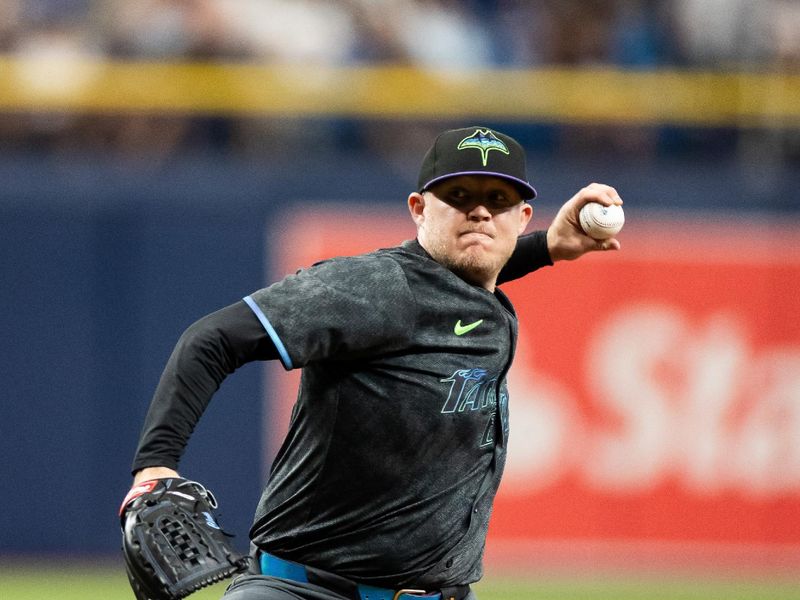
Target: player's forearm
[189, 380]
[531, 253]
[207, 352]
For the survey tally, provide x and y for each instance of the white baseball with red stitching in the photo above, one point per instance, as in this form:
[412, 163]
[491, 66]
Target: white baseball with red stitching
[601, 222]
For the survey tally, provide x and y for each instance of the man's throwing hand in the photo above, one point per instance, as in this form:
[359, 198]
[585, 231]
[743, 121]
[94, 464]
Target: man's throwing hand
[565, 237]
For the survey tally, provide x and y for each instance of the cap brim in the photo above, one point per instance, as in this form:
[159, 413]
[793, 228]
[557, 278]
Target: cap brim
[527, 191]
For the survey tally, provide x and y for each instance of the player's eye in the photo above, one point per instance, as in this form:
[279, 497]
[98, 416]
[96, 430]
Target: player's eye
[458, 197]
[500, 200]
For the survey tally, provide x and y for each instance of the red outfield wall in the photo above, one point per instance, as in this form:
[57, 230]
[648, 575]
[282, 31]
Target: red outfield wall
[655, 396]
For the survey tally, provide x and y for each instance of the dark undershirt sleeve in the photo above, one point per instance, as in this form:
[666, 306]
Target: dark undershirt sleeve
[207, 352]
[530, 254]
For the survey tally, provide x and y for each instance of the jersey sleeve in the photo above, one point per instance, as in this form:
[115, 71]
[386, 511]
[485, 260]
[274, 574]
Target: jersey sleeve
[207, 352]
[339, 309]
[530, 254]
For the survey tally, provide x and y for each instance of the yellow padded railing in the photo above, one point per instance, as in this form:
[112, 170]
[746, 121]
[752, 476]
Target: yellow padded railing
[580, 96]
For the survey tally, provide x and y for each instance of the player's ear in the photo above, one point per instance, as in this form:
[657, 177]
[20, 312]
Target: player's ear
[416, 206]
[525, 215]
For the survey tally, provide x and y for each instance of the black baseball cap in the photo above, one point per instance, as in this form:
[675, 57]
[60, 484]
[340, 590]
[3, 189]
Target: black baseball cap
[476, 151]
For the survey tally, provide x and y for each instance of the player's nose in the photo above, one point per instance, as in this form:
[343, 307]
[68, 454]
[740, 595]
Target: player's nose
[479, 212]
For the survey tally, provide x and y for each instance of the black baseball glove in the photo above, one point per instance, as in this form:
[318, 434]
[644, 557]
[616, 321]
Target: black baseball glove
[171, 541]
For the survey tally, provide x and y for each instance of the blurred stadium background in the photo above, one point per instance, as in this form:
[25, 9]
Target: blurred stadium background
[160, 159]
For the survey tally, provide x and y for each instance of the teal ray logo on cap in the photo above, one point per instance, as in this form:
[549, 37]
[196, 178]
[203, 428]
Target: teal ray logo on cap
[484, 140]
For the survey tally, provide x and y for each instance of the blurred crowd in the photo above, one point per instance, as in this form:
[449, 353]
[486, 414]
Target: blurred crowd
[718, 34]
[459, 33]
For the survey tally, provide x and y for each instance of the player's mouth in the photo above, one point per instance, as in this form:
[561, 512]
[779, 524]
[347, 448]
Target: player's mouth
[476, 234]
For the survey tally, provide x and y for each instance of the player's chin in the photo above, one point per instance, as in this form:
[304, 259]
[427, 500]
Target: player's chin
[477, 265]
[477, 248]
[476, 256]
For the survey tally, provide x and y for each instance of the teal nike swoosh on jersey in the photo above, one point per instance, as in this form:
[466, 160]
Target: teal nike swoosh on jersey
[460, 329]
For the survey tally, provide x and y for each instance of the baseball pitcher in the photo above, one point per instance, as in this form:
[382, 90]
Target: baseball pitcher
[383, 487]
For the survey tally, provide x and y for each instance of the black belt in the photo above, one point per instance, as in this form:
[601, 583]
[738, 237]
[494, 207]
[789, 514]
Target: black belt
[285, 569]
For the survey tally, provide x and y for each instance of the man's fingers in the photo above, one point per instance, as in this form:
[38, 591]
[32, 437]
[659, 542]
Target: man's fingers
[599, 192]
[609, 244]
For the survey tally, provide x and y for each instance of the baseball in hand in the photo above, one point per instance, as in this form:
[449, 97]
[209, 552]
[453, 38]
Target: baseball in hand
[601, 222]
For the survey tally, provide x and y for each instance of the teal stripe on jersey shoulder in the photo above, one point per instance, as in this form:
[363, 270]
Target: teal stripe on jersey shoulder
[273, 335]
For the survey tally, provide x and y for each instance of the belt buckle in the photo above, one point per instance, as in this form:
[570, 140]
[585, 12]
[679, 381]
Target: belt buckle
[399, 593]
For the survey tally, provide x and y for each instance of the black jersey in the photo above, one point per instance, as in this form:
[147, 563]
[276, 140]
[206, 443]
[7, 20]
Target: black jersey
[398, 437]
[397, 440]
